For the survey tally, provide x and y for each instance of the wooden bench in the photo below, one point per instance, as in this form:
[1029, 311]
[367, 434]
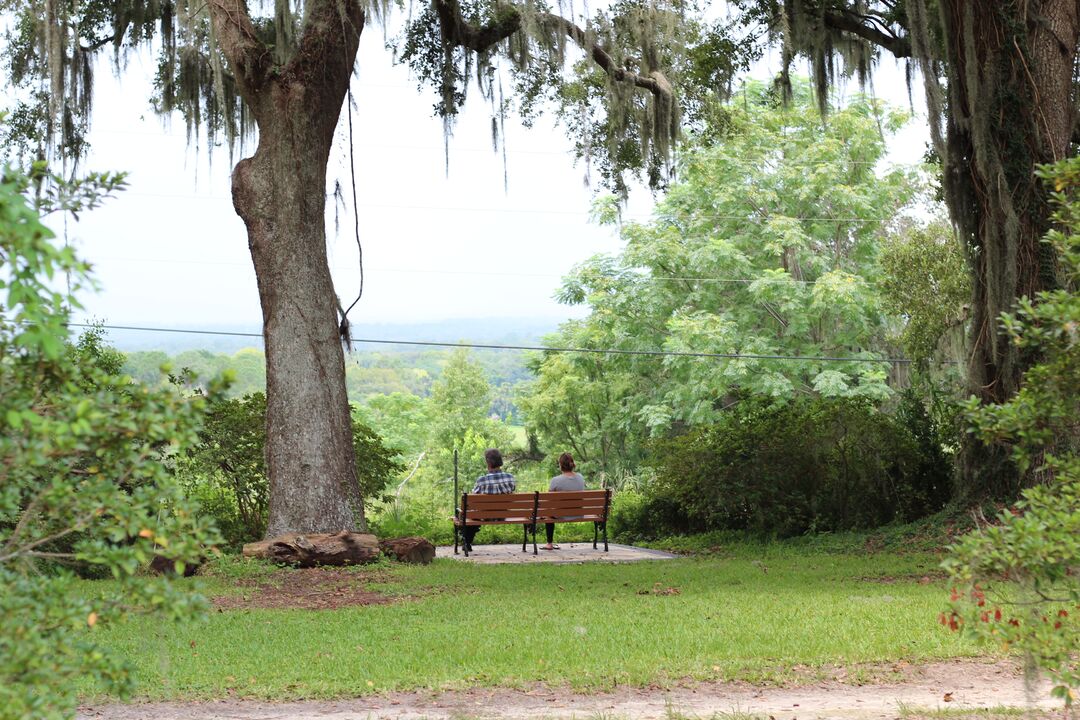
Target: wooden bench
[529, 509]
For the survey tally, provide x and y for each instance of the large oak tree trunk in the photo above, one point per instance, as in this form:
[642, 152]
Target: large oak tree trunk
[280, 194]
[1010, 109]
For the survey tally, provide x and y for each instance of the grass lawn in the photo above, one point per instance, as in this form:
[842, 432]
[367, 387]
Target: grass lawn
[759, 614]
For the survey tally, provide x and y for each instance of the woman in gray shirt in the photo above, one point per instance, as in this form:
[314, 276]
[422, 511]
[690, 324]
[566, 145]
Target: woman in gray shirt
[567, 480]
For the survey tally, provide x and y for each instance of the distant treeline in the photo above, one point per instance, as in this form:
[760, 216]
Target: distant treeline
[367, 373]
[501, 331]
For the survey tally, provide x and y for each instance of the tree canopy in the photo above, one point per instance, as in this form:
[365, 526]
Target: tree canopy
[769, 245]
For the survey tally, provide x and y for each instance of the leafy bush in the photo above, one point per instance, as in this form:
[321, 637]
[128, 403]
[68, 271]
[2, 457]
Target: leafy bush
[1018, 580]
[641, 515]
[931, 484]
[812, 464]
[82, 477]
[226, 470]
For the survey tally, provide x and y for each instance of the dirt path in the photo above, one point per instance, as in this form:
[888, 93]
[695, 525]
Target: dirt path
[954, 685]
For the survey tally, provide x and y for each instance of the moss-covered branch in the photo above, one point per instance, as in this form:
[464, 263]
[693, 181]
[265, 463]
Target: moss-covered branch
[249, 57]
[850, 22]
[480, 38]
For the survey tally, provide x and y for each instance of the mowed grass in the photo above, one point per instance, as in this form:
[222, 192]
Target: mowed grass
[757, 616]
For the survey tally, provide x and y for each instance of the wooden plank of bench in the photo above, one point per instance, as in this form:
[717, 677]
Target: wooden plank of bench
[559, 503]
[500, 498]
[497, 509]
[574, 494]
[498, 521]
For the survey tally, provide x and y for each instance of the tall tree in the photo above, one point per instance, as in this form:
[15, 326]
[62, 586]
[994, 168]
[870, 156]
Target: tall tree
[768, 245]
[1001, 84]
[283, 69]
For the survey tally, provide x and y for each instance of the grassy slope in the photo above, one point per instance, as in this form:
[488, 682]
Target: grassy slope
[755, 615]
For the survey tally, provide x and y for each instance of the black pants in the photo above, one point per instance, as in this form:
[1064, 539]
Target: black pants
[549, 528]
[469, 531]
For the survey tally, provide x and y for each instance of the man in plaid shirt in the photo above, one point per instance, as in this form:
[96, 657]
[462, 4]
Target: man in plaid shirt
[495, 482]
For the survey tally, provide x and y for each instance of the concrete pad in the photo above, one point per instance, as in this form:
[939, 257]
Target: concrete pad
[567, 553]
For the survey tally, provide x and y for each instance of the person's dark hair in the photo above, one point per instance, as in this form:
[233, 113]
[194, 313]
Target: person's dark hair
[566, 462]
[493, 458]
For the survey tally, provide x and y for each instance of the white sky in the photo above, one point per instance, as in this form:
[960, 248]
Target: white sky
[170, 251]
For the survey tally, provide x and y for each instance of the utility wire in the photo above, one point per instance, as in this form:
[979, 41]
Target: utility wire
[749, 217]
[539, 348]
[434, 271]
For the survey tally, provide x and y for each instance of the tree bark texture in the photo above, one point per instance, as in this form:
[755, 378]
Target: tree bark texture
[317, 549]
[280, 194]
[1011, 107]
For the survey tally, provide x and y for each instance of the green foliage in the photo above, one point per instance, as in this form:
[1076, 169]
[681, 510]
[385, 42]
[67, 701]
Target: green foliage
[1017, 578]
[925, 281]
[935, 467]
[460, 400]
[768, 246]
[817, 464]
[83, 479]
[226, 470]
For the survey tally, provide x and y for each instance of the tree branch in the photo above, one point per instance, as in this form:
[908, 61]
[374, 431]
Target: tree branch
[331, 35]
[654, 82]
[248, 56]
[848, 22]
[457, 30]
[461, 32]
[97, 43]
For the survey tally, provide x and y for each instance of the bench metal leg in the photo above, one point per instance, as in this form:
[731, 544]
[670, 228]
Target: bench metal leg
[605, 537]
[524, 537]
[455, 538]
[595, 531]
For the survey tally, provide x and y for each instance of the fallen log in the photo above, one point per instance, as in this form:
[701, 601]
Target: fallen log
[311, 550]
[414, 550]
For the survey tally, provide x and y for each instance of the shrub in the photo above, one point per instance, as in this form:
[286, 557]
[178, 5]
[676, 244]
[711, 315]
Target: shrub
[82, 477]
[812, 464]
[226, 470]
[641, 515]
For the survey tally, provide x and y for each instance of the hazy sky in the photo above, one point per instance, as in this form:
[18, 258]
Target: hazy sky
[171, 251]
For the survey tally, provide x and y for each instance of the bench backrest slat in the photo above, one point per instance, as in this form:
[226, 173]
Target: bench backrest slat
[503, 507]
[503, 500]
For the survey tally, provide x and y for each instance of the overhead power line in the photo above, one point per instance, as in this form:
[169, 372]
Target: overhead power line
[538, 348]
[488, 273]
[749, 217]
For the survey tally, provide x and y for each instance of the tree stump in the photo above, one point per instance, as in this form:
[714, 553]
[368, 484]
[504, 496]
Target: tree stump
[311, 550]
[414, 550]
